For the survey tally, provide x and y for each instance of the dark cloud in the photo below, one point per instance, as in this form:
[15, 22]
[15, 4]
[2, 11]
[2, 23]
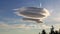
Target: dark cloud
[37, 20]
[30, 14]
[33, 13]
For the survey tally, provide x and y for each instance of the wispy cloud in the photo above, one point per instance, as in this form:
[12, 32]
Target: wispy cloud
[57, 26]
[57, 19]
[54, 19]
[23, 26]
[27, 27]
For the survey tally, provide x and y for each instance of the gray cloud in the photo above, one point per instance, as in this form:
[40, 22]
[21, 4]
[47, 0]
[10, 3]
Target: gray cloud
[33, 13]
[36, 20]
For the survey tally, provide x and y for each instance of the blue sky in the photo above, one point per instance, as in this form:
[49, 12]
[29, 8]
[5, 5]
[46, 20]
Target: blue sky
[11, 23]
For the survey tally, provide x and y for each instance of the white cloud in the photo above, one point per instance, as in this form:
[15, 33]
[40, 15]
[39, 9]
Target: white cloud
[3, 25]
[57, 19]
[15, 9]
[28, 27]
[23, 26]
[53, 20]
[57, 26]
[45, 27]
[12, 20]
[6, 26]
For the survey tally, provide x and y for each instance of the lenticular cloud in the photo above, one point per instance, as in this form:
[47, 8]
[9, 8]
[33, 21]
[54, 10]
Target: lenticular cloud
[33, 13]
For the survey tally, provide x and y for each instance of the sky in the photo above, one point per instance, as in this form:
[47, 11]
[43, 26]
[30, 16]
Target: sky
[10, 23]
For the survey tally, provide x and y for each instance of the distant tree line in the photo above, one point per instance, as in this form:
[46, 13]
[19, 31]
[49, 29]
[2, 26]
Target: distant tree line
[51, 31]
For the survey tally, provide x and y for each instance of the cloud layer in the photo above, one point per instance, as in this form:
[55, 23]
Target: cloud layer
[32, 12]
[28, 27]
[23, 26]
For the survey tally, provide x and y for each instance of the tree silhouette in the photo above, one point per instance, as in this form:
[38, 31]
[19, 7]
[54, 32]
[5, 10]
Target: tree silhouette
[43, 31]
[52, 30]
[59, 31]
[56, 32]
[39, 32]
